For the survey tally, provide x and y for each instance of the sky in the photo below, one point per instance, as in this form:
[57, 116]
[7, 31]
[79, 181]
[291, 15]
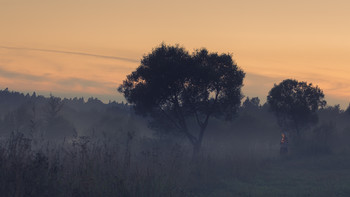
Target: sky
[87, 47]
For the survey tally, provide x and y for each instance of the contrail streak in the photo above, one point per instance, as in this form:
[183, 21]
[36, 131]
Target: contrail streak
[72, 53]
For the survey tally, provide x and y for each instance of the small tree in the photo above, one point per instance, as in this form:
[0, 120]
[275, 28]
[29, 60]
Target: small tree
[295, 104]
[251, 104]
[54, 106]
[174, 85]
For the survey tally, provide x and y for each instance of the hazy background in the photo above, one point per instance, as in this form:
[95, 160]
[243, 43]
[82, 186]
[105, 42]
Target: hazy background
[82, 43]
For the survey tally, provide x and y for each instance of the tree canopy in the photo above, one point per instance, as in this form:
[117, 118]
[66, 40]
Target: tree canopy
[295, 103]
[177, 85]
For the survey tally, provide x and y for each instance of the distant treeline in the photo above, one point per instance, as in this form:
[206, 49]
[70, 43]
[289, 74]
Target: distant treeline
[10, 100]
[56, 118]
[53, 117]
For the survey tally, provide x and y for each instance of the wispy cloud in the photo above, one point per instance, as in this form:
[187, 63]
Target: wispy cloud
[12, 74]
[72, 53]
[62, 83]
[72, 81]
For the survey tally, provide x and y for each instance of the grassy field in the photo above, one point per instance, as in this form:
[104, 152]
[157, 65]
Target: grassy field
[156, 169]
[326, 175]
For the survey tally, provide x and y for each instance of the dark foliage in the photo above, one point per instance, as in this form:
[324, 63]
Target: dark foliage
[295, 104]
[173, 85]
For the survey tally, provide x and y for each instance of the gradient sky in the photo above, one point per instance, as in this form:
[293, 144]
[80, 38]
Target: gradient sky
[87, 47]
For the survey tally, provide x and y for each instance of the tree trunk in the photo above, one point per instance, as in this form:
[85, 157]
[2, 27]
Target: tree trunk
[198, 143]
[197, 148]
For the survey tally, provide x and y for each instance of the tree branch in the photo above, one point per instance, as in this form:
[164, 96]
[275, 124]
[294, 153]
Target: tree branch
[182, 127]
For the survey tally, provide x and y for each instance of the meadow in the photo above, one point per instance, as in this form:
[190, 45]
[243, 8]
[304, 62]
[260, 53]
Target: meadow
[112, 152]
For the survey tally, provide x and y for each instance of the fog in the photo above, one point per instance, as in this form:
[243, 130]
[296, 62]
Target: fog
[82, 147]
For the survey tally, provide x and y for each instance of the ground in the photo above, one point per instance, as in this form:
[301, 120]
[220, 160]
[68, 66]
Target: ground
[326, 175]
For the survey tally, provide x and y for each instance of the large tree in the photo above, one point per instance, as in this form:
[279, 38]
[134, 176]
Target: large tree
[178, 87]
[295, 104]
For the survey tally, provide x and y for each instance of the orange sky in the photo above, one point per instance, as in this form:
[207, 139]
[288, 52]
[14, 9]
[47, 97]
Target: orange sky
[82, 40]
